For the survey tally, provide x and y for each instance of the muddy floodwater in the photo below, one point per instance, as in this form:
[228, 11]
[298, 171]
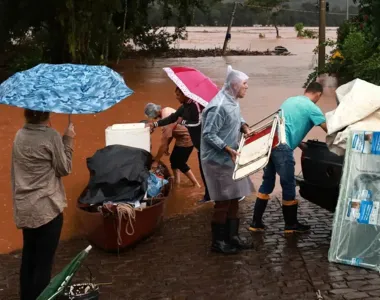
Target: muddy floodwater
[272, 80]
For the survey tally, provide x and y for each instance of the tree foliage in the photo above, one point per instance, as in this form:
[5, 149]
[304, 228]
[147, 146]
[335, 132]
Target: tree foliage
[304, 33]
[356, 53]
[272, 7]
[97, 31]
[218, 14]
[85, 31]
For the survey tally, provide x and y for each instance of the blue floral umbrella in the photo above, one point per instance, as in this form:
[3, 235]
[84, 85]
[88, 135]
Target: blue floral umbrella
[65, 88]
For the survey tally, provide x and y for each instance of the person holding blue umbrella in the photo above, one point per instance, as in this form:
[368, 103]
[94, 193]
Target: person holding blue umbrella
[41, 157]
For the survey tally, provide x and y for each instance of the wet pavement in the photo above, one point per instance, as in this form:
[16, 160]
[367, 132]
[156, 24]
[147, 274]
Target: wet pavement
[176, 263]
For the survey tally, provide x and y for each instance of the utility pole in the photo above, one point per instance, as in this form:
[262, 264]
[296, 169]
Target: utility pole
[322, 34]
[348, 10]
[228, 34]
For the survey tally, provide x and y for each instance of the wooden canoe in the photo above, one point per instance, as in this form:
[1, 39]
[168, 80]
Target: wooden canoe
[105, 231]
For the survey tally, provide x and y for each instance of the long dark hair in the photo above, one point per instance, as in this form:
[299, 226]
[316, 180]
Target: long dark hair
[36, 117]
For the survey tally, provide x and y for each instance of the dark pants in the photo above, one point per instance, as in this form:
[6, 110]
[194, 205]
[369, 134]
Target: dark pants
[281, 162]
[206, 196]
[223, 210]
[179, 158]
[38, 253]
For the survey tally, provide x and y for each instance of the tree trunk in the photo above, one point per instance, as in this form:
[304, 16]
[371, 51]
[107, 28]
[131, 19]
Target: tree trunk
[2, 55]
[277, 31]
[58, 50]
[106, 55]
[193, 16]
[4, 37]
[123, 37]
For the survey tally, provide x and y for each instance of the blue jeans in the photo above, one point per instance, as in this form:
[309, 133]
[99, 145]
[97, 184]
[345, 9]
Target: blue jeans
[281, 162]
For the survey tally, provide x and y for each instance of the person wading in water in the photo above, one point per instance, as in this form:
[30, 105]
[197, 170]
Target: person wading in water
[188, 115]
[183, 145]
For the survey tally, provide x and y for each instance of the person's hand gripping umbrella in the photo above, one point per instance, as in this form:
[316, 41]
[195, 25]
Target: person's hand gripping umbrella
[193, 84]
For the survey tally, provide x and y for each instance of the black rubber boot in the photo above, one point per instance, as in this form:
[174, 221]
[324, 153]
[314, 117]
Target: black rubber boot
[257, 221]
[291, 222]
[219, 241]
[233, 238]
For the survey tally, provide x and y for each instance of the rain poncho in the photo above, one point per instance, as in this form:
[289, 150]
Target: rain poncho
[221, 127]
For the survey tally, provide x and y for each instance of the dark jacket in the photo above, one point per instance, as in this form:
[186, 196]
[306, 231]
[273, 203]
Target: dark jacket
[190, 113]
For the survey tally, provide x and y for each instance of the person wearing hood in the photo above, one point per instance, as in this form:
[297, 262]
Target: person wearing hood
[222, 126]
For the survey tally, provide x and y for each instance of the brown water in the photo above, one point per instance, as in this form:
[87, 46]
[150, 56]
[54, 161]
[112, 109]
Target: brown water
[272, 80]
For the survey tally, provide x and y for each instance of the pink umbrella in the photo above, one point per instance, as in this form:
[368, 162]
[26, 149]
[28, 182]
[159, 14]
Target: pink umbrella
[194, 84]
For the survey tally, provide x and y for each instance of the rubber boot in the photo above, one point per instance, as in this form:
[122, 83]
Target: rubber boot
[291, 222]
[219, 240]
[257, 221]
[233, 238]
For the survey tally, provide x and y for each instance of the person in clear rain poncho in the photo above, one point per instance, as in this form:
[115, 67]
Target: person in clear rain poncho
[222, 126]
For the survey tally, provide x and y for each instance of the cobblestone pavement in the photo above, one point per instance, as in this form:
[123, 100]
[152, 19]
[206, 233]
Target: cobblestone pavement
[176, 264]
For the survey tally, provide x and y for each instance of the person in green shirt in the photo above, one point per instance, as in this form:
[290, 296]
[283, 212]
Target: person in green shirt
[301, 114]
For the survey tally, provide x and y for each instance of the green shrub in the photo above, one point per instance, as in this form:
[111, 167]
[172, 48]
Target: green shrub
[299, 29]
[304, 33]
[343, 31]
[24, 54]
[358, 42]
[307, 33]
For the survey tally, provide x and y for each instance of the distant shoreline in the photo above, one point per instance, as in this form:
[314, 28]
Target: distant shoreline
[243, 28]
[194, 53]
[174, 53]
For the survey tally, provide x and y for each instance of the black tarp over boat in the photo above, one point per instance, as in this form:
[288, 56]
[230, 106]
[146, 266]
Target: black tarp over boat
[117, 173]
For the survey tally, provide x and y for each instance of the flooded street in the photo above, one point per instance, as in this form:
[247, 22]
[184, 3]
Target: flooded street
[272, 80]
[175, 263]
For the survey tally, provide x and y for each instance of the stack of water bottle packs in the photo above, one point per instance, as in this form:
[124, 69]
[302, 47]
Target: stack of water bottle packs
[356, 227]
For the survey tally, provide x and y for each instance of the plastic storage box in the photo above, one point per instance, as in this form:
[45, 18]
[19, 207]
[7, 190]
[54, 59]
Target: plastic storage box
[132, 135]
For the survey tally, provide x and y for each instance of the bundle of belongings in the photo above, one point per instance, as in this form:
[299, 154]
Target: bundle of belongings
[358, 109]
[121, 174]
